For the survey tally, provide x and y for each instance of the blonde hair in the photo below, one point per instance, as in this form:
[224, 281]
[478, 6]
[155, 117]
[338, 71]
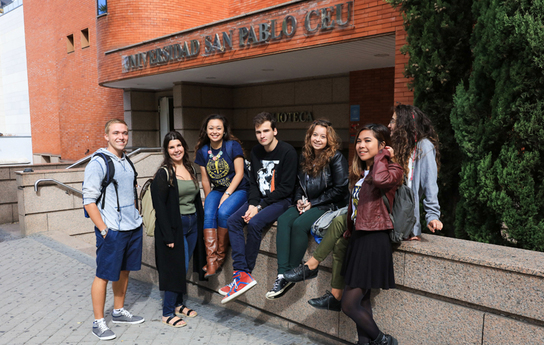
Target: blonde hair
[111, 122]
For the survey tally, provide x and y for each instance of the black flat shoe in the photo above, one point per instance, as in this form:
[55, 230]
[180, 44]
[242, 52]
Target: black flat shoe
[327, 302]
[300, 273]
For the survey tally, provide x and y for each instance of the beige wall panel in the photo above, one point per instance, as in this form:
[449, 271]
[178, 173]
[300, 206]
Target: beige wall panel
[4, 174]
[176, 94]
[191, 136]
[240, 119]
[340, 89]
[8, 192]
[502, 330]
[338, 114]
[143, 101]
[70, 222]
[216, 97]
[145, 138]
[178, 118]
[313, 91]
[247, 97]
[33, 223]
[6, 213]
[278, 94]
[145, 120]
[191, 95]
[56, 198]
[127, 104]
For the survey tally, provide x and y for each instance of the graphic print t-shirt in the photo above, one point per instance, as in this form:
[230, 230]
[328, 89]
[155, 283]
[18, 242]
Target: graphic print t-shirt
[355, 196]
[266, 176]
[221, 170]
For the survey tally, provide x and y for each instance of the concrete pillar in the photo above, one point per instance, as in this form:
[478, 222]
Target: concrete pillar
[142, 117]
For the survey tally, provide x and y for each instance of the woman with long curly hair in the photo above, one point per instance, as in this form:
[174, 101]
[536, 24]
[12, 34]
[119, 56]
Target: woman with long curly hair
[176, 199]
[323, 185]
[221, 159]
[415, 144]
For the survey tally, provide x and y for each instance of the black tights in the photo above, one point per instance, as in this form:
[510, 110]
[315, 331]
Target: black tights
[356, 305]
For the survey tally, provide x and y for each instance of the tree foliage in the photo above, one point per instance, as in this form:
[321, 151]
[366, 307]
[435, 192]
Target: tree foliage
[498, 123]
[439, 59]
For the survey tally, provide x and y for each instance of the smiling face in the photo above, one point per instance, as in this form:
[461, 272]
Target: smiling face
[176, 151]
[215, 131]
[319, 138]
[117, 138]
[367, 146]
[266, 135]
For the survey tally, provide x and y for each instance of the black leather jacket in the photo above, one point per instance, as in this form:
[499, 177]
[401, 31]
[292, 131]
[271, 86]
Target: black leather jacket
[329, 189]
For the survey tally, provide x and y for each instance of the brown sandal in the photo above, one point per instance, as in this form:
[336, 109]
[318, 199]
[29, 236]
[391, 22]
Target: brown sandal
[175, 324]
[188, 314]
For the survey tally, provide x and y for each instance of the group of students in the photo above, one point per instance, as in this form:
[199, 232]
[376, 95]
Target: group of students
[320, 188]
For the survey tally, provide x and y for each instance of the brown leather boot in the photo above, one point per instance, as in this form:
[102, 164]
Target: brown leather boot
[222, 245]
[210, 242]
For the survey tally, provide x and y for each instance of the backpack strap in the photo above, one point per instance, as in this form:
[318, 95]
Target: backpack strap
[108, 178]
[135, 179]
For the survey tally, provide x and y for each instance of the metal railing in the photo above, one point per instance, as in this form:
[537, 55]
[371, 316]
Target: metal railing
[50, 181]
[138, 150]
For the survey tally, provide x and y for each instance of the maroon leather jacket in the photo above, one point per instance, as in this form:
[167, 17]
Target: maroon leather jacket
[372, 213]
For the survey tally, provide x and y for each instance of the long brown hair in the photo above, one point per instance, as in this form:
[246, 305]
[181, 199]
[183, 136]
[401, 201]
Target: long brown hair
[311, 163]
[203, 138]
[169, 163]
[411, 126]
[381, 133]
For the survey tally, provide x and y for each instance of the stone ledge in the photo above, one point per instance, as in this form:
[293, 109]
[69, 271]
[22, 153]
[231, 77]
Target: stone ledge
[481, 254]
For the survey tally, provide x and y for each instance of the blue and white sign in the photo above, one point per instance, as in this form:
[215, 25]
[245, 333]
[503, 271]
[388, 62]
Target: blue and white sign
[354, 113]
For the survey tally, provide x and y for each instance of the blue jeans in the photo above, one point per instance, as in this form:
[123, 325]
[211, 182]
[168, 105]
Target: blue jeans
[170, 302]
[244, 255]
[215, 215]
[190, 235]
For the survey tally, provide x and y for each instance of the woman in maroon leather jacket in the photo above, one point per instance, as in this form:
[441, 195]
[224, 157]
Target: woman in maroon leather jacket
[368, 263]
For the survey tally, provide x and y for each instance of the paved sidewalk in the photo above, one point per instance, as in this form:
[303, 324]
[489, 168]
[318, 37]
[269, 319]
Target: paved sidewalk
[45, 299]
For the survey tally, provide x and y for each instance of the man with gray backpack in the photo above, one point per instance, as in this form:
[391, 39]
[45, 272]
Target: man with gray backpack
[109, 200]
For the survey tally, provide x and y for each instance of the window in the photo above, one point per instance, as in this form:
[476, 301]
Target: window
[102, 7]
[70, 44]
[84, 38]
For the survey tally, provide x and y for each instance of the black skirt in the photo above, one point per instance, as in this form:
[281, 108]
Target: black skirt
[368, 263]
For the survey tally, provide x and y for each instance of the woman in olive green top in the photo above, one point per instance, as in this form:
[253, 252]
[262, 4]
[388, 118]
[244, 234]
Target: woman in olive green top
[179, 212]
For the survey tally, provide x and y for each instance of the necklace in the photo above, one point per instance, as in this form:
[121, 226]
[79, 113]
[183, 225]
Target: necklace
[216, 157]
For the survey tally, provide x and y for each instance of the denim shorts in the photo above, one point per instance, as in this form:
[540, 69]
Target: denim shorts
[119, 251]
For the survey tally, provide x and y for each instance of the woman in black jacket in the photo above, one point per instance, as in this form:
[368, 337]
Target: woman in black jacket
[178, 229]
[323, 185]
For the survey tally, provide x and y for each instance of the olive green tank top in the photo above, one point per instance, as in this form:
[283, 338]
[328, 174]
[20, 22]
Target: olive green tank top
[187, 193]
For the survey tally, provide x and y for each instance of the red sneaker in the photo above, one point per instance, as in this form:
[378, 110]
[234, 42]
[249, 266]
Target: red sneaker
[225, 289]
[241, 284]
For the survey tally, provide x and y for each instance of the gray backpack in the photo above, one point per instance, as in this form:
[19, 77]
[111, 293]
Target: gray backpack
[402, 216]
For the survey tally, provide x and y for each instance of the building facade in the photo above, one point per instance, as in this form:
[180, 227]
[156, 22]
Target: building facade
[15, 133]
[166, 65]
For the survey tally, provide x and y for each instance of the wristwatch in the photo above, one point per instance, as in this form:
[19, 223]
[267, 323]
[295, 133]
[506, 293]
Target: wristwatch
[228, 194]
[104, 232]
[259, 208]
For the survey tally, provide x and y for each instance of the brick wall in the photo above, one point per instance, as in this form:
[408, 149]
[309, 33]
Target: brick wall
[129, 22]
[68, 108]
[373, 91]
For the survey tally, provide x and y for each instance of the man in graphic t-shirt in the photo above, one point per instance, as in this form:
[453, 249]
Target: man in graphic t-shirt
[273, 176]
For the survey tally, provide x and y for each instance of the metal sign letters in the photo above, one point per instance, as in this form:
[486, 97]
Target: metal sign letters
[318, 20]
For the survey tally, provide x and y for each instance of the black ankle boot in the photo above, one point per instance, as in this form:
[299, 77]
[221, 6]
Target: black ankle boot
[384, 339]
